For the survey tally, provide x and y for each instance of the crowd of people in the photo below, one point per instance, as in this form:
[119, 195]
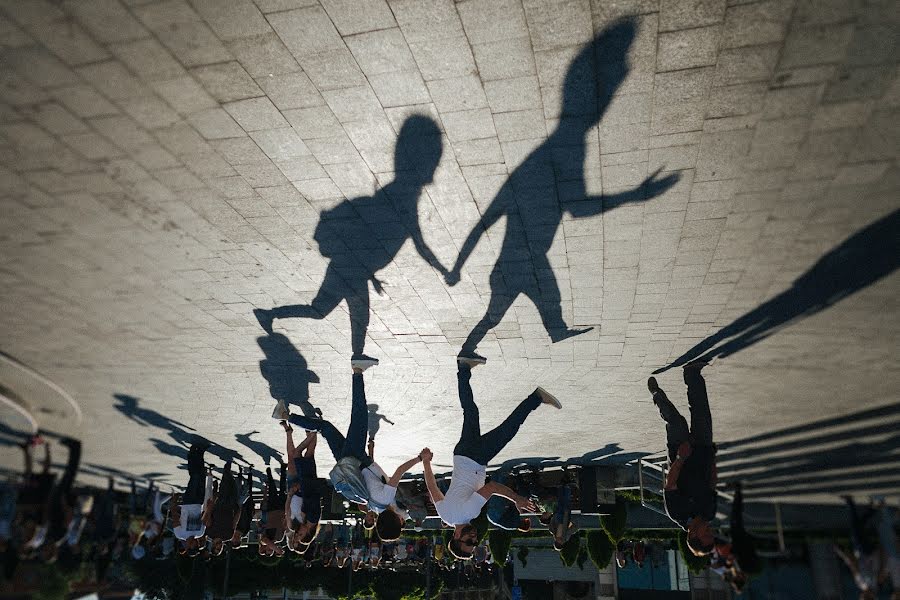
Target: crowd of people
[379, 517]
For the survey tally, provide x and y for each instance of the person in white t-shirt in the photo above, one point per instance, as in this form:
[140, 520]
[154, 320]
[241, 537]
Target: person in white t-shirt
[383, 514]
[468, 492]
[188, 509]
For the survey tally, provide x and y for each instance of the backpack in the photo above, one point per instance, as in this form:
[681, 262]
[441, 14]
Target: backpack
[346, 478]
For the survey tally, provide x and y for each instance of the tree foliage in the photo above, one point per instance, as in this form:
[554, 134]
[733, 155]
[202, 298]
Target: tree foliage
[614, 524]
[499, 541]
[569, 552]
[600, 548]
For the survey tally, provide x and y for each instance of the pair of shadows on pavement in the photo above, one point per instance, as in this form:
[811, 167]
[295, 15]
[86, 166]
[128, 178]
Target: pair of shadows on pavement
[867, 256]
[362, 236]
[853, 454]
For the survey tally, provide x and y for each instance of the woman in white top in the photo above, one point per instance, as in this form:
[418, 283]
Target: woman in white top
[468, 492]
[189, 509]
[383, 514]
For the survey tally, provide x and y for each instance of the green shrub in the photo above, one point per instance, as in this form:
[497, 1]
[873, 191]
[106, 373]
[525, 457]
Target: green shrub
[614, 523]
[600, 548]
[499, 541]
[569, 551]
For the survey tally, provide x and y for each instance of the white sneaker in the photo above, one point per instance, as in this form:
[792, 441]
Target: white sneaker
[281, 411]
[547, 397]
[471, 361]
[363, 363]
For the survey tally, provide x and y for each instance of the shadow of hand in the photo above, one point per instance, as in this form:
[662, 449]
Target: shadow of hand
[655, 185]
[452, 277]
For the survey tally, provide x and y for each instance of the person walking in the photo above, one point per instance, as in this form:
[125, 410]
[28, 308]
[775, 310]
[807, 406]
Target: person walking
[690, 486]
[468, 492]
[223, 518]
[304, 503]
[372, 487]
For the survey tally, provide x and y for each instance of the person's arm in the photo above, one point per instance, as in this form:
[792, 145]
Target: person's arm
[493, 488]
[423, 249]
[430, 483]
[395, 478]
[684, 451]
[649, 188]
[494, 211]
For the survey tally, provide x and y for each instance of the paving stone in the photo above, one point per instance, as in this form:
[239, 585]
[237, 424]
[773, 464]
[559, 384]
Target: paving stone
[194, 145]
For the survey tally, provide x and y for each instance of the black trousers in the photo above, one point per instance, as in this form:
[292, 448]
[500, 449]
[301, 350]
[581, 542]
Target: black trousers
[196, 487]
[700, 432]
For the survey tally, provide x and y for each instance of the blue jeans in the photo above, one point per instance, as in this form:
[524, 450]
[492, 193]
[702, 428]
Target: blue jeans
[354, 444]
[483, 448]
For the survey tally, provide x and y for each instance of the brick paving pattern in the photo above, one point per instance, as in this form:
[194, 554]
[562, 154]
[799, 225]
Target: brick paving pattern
[164, 165]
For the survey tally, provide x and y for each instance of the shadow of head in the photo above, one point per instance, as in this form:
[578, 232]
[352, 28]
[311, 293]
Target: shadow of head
[126, 403]
[285, 369]
[418, 150]
[596, 72]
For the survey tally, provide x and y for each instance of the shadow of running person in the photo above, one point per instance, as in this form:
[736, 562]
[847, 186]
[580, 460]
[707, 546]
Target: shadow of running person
[262, 450]
[285, 369]
[533, 198]
[859, 261]
[363, 235]
[146, 417]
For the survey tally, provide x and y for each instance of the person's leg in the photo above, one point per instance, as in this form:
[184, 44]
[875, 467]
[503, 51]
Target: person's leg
[291, 452]
[497, 438]
[676, 425]
[228, 494]
[68, 478]
[310, 450]
[330, 294]
[45, 467]
[698, 401]
[355, 443]
[358, 307]
[193, 494]
[26, 450]
[335, 438]
[469, 439]
[271, 490]
[501, 300]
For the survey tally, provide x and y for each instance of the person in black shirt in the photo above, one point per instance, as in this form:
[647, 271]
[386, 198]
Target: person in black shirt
[690, 487]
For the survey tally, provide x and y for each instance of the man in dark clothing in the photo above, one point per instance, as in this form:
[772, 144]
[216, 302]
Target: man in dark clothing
[226, 511]
[690, 487]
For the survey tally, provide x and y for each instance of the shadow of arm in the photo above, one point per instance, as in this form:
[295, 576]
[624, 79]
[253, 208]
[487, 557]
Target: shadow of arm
[651, 187]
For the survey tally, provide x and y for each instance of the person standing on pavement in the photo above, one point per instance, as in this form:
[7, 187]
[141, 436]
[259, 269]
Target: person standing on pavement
[303, 507]
[382, 507]
[189, 509]
[690, 486]
[468, 492]
[221, 521]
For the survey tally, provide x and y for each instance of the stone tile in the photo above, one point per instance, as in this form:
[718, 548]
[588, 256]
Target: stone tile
[215, 124]
[356, 16]
[315, 122]
[106, 20]
[306, 31]
[459, 93]
[504, 59]
[400, 88]
[84, 101]
[443, 58]
[353, 104]
[688, 48]
[743, 65]
[113, 80]
[333, 70]
[227, 82]
[148, 59]
[69, 42]
[383, 51]
[291, 90]
[513, 94]
[557, 25]
[150, 112]
[756, 23]
[426, 21]
[263, 56]
[255, 114]
[232, 19]
[182, 31]
[682, 14]
[280, 144]
[816, 45]
[469, 124]
[493, 21]
[184, 94]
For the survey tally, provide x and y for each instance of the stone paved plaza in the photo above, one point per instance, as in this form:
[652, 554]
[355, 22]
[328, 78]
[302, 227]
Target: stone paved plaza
[165, 165]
